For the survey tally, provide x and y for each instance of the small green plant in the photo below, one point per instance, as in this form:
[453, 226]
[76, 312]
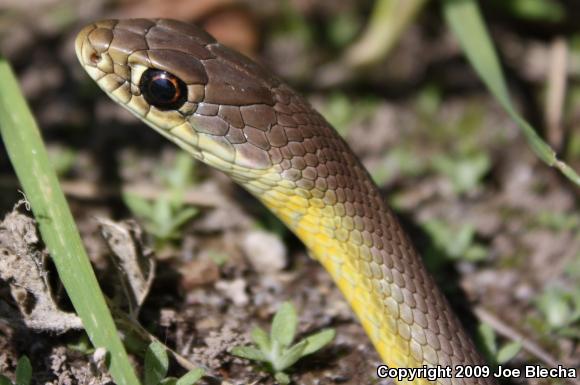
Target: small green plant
[62, 159]
[494, 353]
[343, 29]
[82, 345]
[450, 243]
[276, 351]
[23, 373]
[164, 216]
[561, 310]
[342, 112]
[464, 172]
[218, 257]
[558, 221]
[157, 365]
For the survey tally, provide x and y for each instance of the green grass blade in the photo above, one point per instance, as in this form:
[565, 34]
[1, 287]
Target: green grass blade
[30, 161]
[464, 18]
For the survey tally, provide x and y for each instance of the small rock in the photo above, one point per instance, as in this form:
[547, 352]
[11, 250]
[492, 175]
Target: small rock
[265, 251]
[198, 272]
[235, 291]
[100, 358]
[167, 317]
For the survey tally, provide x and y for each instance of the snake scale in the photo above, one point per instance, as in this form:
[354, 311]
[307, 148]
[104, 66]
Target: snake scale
[234, 115]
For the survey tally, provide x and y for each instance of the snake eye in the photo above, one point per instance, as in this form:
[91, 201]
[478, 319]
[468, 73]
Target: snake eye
[163, 89]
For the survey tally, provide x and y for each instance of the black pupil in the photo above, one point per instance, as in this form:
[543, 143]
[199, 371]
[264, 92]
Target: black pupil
[163, 89]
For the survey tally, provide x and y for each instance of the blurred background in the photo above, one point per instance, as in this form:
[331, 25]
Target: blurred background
[497, 227]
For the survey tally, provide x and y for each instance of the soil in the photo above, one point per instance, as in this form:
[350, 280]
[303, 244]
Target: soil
[497, 227]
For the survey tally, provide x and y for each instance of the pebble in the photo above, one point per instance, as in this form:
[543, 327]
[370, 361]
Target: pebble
[265, 251]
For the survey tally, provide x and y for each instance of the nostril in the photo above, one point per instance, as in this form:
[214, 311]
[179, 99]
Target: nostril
[95, 58]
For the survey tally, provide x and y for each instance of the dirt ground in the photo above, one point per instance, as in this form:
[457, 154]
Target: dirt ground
[496, 226]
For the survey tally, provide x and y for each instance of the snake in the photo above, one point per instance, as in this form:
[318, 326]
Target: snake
[233, 114]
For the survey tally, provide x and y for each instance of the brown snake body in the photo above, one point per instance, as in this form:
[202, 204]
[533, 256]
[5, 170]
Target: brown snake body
[233, 114]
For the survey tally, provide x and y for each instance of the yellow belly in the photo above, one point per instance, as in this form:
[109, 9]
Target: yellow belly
[338, 246]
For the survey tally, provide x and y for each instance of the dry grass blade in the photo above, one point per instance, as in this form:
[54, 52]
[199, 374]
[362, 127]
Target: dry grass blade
[390, 18]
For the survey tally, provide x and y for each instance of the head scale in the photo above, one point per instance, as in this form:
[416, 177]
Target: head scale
[210, 100]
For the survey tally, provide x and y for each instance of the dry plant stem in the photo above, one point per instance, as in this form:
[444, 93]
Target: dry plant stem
[556, 91]
[134, 262]
[136, 266]
[129, 326]
[389, 19]
[531, 347]
[507, 331]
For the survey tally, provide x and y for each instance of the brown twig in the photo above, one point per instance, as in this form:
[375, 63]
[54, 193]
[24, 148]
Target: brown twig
[507, 331]
[556, 91]
[528, 345]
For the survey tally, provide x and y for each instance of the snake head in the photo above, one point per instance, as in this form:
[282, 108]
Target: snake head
[210, 100]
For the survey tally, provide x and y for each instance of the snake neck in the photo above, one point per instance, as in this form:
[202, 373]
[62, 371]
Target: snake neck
[340, 243]
[378, 271]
